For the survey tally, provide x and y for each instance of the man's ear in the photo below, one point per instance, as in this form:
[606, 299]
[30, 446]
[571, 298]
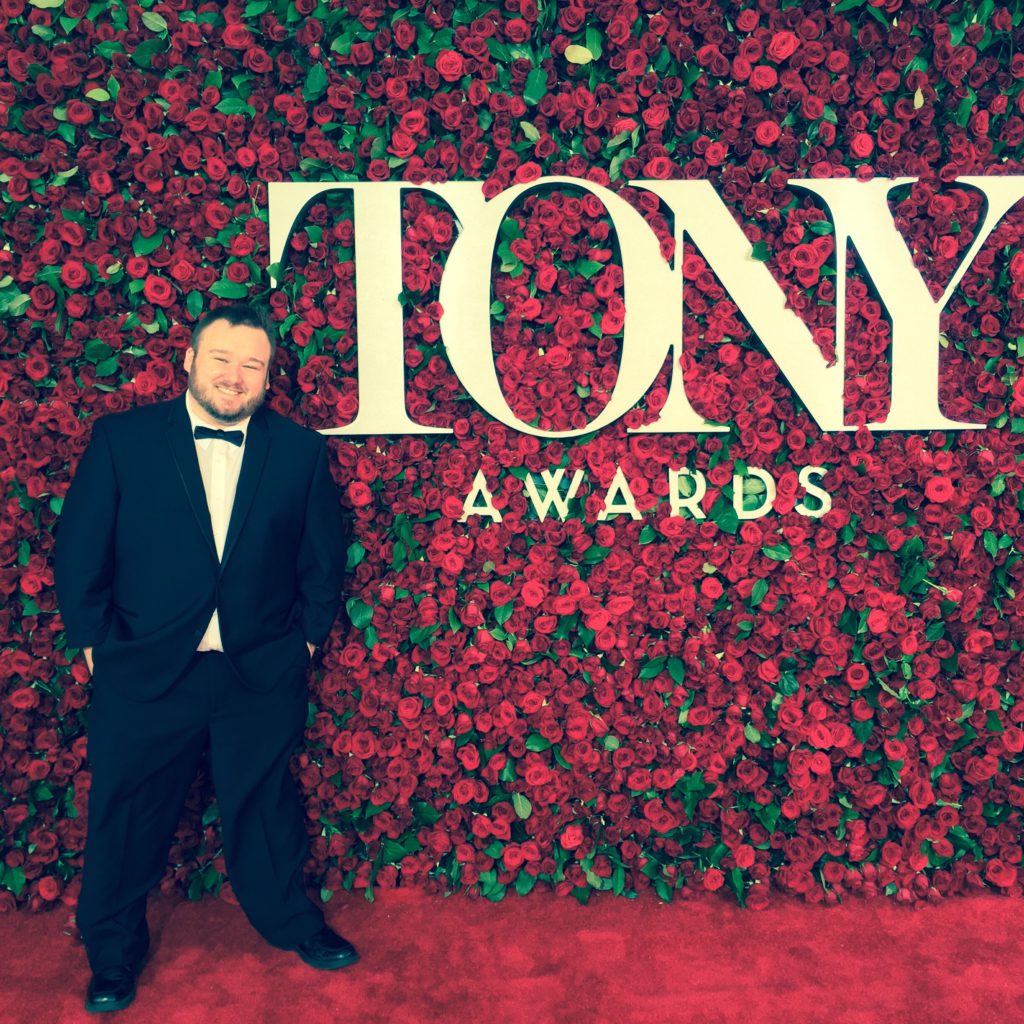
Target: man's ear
[189, 356]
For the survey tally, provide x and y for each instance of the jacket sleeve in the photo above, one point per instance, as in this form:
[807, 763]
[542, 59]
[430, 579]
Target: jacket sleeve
[322, 554]
[84, 555]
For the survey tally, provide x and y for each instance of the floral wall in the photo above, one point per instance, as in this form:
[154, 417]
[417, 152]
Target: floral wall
[821, 705]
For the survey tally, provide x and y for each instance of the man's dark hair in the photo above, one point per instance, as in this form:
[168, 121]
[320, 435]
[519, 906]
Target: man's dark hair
[239, 314]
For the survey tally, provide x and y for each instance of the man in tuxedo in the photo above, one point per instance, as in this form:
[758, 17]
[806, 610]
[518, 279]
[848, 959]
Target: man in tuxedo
[199, 560]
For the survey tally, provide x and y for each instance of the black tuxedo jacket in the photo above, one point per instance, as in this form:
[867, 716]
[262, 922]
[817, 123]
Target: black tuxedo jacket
[136, 567]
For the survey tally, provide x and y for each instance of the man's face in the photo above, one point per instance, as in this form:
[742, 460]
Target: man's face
[229, 371]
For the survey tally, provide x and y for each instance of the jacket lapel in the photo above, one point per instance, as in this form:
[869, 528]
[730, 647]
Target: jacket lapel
[183, 452]
[254, 458]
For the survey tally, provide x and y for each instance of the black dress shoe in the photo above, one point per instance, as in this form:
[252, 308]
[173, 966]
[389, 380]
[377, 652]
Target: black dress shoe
[327, 951]
[113, 988]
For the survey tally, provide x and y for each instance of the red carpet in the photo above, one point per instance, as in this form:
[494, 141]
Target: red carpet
[547, 959]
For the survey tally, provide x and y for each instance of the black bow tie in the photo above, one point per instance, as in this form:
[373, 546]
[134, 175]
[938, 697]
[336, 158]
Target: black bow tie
[235, 437]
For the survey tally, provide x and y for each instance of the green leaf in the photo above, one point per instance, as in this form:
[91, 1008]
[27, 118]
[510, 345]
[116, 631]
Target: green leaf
[98, 95]
[724, 515]
[588, 268]
[751, 733]
[524, 882]
[653, 668]
[143, 246]
[758, 592]
[13, 879]
[522, 806]
[46, 5]
[14, 303]
[768, 815]
[594, 41]
[761, 252]
[225, 289]
[576, 54]
[108, 48]
[963, 111]
[194, 304]
[427, 813]
[788, 684]
[677, 670]
[615, 167]
[143, 53]
[235, 105]
[316, 83]
[778, 552]
[154, 22]
[529, 131]
[536, 86]
[863, 730]
[504, 612]
[359, 613]
[736, 881]
[536, 743]
[97, 350]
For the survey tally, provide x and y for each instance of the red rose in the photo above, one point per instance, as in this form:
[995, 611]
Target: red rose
[409, 709]
[49, 888]
[782, 45]
[237, 37]
[1000, 874]
[449, 65]
[763, 78]
[158, 291]
[939, 489]
[359, 494]
[218, 216]
[24, 698]
[659, 167]
[861, 145]
[572, 837]
[713, 879]
[37, 366]
[257, 59]
[78, 112]
[716, 154]
[74, 275]
[404, 33]
[746, 20]
[766, 133]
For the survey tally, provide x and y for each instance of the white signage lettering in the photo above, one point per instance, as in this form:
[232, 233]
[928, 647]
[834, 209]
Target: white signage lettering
[652, 330]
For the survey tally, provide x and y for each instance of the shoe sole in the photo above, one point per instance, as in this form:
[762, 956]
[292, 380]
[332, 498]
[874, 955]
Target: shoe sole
[109, 1007]
[331, 965]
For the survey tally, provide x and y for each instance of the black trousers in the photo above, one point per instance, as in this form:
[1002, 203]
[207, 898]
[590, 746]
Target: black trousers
[144, 757]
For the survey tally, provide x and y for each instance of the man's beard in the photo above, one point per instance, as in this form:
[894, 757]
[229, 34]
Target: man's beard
[206, 400]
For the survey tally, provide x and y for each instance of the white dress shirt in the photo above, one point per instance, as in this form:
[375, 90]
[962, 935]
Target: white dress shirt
[220, 463]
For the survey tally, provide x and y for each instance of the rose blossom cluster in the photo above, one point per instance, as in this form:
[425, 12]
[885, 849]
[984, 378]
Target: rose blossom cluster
[821, 707]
